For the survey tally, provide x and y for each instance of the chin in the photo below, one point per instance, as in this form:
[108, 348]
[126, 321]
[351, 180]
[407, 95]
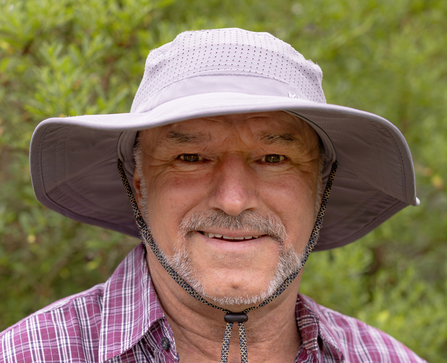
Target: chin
[236, 300]
[289, 262]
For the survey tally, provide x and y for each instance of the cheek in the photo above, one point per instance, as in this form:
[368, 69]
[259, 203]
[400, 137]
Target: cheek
[292, 194]
[170, 198]
[293, 200]
[171, 189]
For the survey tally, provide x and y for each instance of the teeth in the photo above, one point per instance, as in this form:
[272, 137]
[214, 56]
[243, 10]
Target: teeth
[215, 235]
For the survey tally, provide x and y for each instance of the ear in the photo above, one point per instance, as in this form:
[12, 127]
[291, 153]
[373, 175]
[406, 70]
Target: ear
[137, 185]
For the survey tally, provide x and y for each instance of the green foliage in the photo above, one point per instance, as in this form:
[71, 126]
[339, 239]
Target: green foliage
[83, 57]
[394, 298]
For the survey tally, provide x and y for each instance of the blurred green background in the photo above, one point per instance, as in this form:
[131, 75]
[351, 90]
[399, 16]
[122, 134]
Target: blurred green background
[67, 57]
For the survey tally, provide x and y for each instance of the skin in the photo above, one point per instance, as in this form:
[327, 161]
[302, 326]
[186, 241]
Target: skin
[261, 162]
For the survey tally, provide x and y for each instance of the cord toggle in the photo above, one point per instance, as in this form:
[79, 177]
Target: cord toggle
[236, 318]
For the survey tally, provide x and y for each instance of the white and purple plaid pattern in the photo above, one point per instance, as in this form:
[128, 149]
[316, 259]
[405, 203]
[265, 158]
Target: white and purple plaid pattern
[122, 321]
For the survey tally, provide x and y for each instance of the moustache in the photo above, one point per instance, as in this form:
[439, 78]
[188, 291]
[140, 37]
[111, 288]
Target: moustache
[255, 223]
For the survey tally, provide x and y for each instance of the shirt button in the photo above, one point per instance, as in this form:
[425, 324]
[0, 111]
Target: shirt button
[165, 344]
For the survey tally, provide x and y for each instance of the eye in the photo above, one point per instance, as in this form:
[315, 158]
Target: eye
[190, 158]
[273, 158]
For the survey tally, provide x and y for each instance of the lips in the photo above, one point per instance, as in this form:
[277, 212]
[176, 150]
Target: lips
[222, 237]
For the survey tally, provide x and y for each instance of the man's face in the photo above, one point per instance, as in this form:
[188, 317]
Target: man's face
[231, 200]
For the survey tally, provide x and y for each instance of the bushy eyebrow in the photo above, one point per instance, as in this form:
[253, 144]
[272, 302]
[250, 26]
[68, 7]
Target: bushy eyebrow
[181, 138]
[283, 139]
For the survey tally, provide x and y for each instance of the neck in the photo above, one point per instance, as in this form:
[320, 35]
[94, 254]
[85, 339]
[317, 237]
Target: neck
[272, 332]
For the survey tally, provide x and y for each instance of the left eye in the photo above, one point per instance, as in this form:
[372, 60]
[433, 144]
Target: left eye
[190, 158]
[273, 158]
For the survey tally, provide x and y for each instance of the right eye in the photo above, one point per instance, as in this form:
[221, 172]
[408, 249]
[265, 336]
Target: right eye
[190, 158]
[273, 158]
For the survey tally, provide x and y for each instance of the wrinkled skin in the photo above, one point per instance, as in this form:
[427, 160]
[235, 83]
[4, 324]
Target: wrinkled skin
[266, 163]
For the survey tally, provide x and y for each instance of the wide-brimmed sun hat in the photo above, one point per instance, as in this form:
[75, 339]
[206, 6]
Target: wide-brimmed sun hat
[216, 72]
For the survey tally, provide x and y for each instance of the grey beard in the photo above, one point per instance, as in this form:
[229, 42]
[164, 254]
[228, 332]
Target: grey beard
[289, 260]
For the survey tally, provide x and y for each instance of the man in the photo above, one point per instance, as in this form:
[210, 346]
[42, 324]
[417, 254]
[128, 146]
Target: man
[228, 158]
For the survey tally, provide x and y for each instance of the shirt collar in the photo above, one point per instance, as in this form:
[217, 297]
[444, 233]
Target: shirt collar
[315, 329]
[130, 306]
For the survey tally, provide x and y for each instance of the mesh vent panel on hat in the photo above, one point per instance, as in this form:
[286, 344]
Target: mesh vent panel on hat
[228, 52]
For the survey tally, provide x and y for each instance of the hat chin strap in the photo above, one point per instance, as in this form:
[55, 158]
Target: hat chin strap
[230, 317]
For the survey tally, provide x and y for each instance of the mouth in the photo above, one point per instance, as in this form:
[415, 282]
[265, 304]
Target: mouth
[228, 238]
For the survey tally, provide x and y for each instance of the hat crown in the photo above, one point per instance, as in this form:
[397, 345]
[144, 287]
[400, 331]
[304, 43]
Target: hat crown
[228, 52]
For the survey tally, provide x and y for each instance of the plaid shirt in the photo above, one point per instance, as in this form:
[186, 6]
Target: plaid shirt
[122, 321]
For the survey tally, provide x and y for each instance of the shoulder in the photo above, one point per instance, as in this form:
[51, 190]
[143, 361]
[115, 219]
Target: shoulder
[358, 341]
[58, 332]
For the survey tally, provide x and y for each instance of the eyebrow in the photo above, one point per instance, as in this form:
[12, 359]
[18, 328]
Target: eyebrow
[269, 139]
[284, 139]
[181, 138]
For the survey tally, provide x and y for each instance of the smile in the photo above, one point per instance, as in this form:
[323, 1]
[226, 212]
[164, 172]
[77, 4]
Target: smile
[219, 236]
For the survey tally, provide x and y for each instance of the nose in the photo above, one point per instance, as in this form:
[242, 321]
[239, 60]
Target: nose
[234, 189]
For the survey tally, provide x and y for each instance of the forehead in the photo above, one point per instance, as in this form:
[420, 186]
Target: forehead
[267, 127]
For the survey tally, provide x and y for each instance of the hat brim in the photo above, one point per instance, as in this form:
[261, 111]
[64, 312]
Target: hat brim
[73, 161]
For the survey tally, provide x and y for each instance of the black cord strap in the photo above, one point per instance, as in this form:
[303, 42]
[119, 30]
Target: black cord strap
[231, 317]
